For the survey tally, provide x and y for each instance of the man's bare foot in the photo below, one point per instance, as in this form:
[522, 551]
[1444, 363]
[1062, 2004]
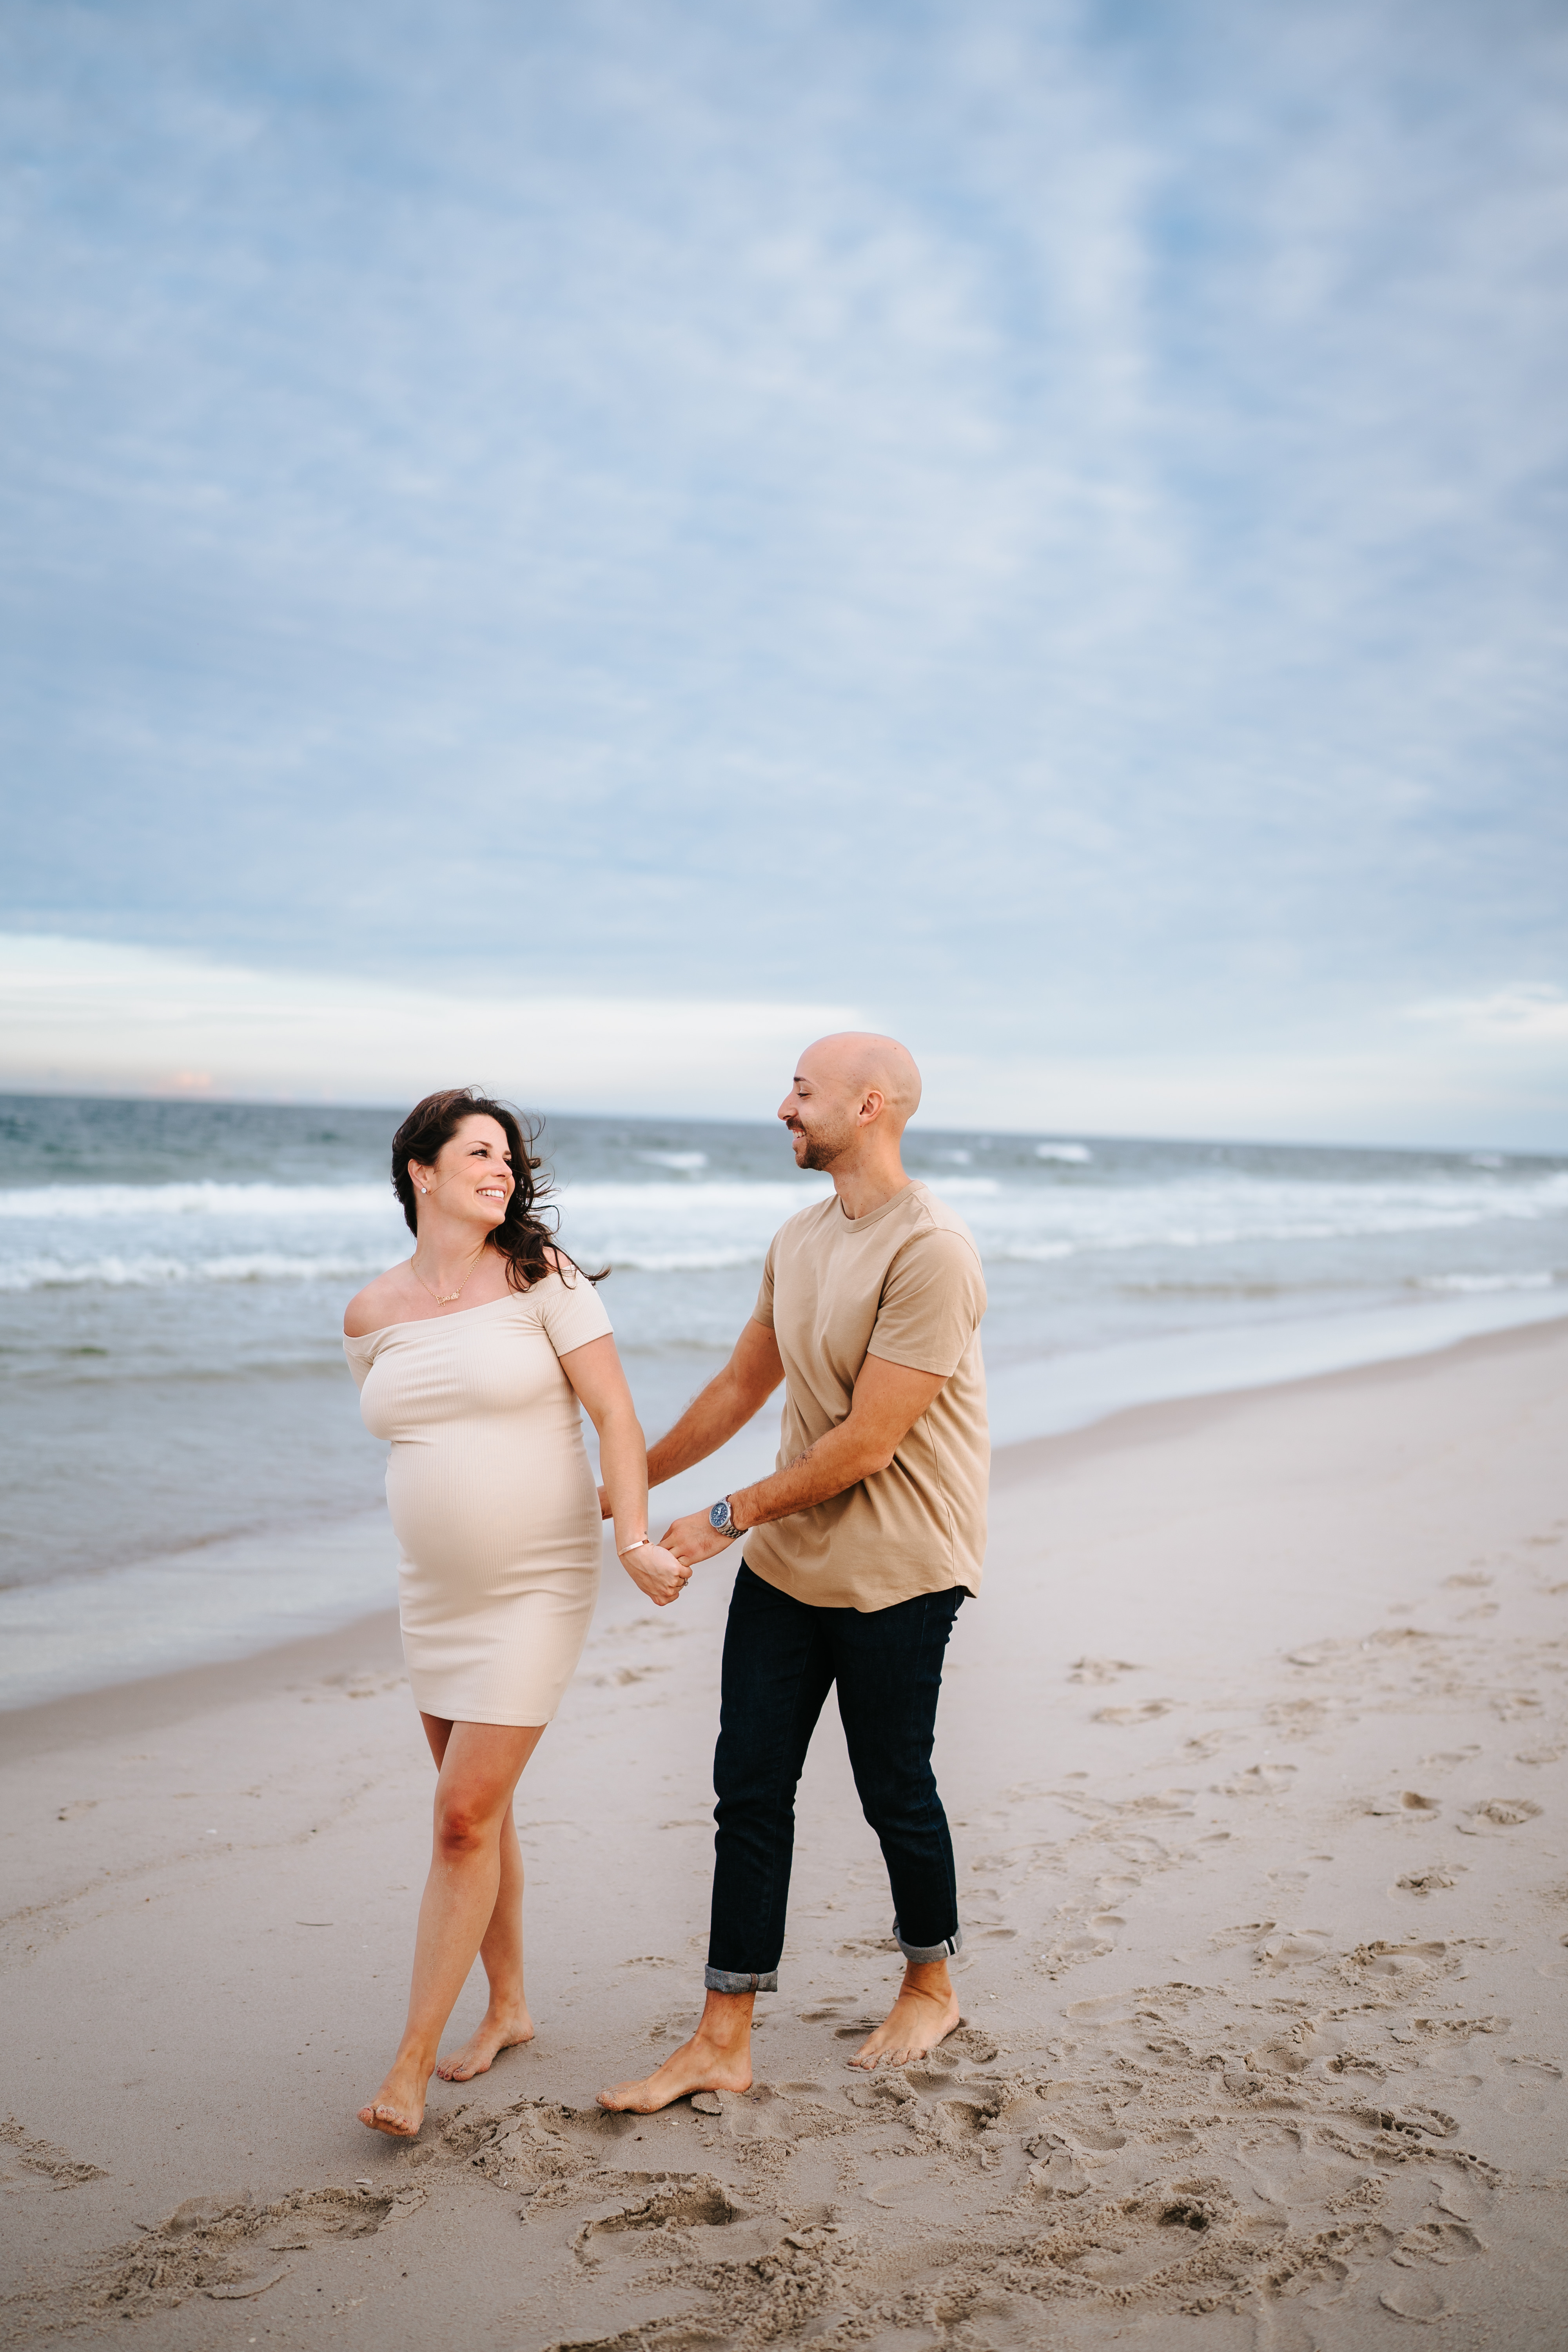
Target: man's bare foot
[398, 2108]
[921, 2017]
[493, 2034]
[699, 2064]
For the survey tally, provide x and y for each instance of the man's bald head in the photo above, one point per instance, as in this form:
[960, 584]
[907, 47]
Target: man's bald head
[852, 1093]
[858, 1061]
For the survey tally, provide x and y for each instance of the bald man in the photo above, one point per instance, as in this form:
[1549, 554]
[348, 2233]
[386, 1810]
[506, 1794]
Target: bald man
[858, 1552]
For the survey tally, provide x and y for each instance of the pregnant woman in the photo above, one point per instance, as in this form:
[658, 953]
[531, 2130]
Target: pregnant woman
[472, 1358]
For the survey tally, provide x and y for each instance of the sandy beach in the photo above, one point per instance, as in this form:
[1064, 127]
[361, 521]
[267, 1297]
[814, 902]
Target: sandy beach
[1254, 1750]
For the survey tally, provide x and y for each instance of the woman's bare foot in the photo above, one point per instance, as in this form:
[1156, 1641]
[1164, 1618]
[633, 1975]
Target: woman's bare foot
[398, 2108]
[923, 2014]
[495, 2032]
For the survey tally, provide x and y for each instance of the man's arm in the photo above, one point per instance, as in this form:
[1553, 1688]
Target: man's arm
[727, 1404]
[888, 1402]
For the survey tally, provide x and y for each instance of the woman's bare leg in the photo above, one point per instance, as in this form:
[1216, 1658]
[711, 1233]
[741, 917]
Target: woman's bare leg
[506, 2020]
[480, 1765]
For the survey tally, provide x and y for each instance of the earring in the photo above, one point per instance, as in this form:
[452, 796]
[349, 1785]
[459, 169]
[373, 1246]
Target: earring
[425, 1188]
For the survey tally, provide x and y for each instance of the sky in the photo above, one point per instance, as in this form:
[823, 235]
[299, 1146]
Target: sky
[598, 540]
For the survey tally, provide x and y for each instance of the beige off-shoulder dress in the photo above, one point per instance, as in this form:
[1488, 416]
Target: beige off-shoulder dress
[491, 1494]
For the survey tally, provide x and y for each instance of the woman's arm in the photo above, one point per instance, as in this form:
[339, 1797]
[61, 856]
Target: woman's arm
[595, 1374]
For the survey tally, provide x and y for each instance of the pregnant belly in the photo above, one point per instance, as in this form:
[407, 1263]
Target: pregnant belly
[478, 1520]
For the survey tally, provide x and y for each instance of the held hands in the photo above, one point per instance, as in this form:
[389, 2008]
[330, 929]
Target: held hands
[694, 1538]
[656, 1572]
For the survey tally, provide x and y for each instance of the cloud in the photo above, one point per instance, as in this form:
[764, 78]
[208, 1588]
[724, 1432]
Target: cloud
[1523, 1015]
[1043, 517]
[94, 1016]
[98, 1017]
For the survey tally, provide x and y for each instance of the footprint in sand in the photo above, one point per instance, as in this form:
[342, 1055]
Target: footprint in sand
[1257, 1780]
[1087, 1939]
[1500, 1814]
[243, 2290]
[1407, 1801]
[1223, 1938]
[1424, 1882]
[702, 2203]
[1057, 2172]
[42, 2157]
[1148, 1710]
[1413, 2299]
[757, 2114]
[1411, 1959]
[213, 2243]
[1298, 1718]
[935, 2071]
[1293, 1948]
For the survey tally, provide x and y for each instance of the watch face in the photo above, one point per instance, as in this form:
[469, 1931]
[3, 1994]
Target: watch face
[719, 1516]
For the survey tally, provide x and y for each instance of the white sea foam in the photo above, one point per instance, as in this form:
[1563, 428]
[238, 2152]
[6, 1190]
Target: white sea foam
[680, 1228]
[1210, 1211]
[1477, 1283]
[149, 1270]
[681, 1159]
[780, 1196]
[687, 1222]
[1078, 1155]
[88, 1203]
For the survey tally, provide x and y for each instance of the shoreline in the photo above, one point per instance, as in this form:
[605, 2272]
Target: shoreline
[167, 1694]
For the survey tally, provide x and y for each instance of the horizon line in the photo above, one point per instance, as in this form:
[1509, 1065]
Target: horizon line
[1042, 1135]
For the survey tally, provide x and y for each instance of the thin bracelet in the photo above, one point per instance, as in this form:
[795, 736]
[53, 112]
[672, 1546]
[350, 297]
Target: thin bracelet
[636, 1546]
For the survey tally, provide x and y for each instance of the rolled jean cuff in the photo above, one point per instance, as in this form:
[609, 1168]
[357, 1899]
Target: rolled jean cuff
[733, 1980]
[947, 1950]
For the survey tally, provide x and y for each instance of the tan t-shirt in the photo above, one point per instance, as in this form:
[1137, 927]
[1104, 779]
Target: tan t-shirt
[904, 1283]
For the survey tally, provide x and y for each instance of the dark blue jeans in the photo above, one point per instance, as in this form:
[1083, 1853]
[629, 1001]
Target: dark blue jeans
[780, 1659]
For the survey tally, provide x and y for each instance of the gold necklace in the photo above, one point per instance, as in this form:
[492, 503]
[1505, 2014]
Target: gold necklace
[445, 1298]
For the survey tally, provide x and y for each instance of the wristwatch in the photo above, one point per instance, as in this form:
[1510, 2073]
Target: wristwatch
[720, 1520]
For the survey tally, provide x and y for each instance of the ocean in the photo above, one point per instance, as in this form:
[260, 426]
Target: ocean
[186, 1477]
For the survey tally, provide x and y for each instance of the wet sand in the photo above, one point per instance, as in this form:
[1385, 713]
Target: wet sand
[1254, 1747]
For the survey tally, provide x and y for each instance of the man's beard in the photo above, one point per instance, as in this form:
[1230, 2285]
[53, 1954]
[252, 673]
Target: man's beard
[821, 1151]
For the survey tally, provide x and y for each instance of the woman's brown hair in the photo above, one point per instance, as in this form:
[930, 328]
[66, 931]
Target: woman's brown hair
[526, 1234]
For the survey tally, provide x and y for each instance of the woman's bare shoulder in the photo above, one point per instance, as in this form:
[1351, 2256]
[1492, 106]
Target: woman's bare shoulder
[377, 1306]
